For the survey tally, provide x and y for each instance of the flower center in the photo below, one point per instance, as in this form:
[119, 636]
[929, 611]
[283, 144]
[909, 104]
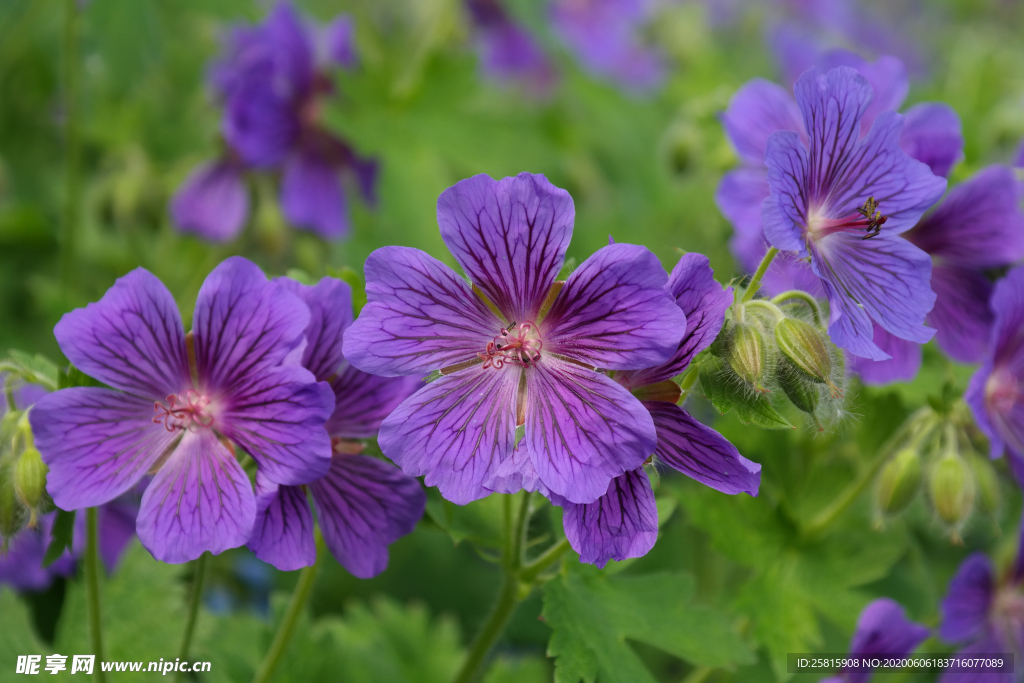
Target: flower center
[1008, 613]
[517, 344]
[189, 410]
[866, 217]
[1002, 392]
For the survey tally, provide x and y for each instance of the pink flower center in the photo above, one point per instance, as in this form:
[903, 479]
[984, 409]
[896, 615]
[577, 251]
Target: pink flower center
[867, 218]
[1008, 613]
[1002, 392]
[189, 410]
[518, 344]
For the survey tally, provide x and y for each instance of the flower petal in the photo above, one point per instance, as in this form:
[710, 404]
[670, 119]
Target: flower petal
[116, 522]
[622, 523]
[363, 505]
[884, 630]
[966, 605]
[975, 398]
[784, 212]
[755, 111]
[131, 339]
[989, 643]
[362, 401]
[739, 197]
[961, 316]
[700, 452]
[903, 363]
[509, 53]
[613, 312]
[583, 429]
[97, 443]
[932, 135]
[259, 124]
[200, 500]
[420, 316]
[312, 197]
[213, 202]
[457, 430]
[330, 314]
[886, 75]
[278, 418]
[282, 534]
[339, 41]
[510, 237]
[243, 326]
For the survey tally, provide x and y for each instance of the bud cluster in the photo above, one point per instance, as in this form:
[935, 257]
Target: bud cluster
[23, 496]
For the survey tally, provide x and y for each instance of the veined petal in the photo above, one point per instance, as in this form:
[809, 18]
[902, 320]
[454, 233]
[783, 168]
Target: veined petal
[903, 363]
[975, 398]
[700, 452]
[243, 326]
[755, 111]
[516, 474]
[886, 75]
[282, 534]
[200, 500]
[456, 430]
[988, 643]
[362, 401]
[932, 135]
[278, 418]
[622, 523]
[97, 443]
[784, 213]
[978, 225]
[420, 316]
[1007, 336]
[613, 312]
[312, 197]
[883, 630]
[692, 284]
[1002, 393]
[583, 429]
[131, 339]
[510, 237]
[330, 314]
[961, 316]
[884, 279]
[966, 606]
[363, 505]
[213, 202]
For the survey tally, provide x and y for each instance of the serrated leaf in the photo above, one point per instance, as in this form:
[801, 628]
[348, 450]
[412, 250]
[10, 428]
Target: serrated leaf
[33, 369]
[592, 616]
[62, 536]
[713, 385]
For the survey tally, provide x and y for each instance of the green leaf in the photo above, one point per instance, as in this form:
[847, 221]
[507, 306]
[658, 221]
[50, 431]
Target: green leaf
[592, 616]
[758, 411]
[31, 369]
[355, 281]
[73, 377]
[724, 392]
[715, 386]
[18, 636]
[63, 531]
[481, 521]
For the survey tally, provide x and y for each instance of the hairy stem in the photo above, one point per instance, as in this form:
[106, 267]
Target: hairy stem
[92, 589]
[193, 607]
[72, 184]
[755, 282]
[291, 617]
[803, 296]
[767, 306]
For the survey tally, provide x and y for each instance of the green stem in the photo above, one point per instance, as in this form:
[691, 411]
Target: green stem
[755, 282]
[544, 560]
[768, 306]
[193, 607]
[72, 188]
[802, 296]
[699, 675]
[291, 617]
[92, 589]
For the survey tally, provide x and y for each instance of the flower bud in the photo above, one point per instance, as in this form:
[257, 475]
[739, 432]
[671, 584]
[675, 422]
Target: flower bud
[805, 347]
[720, 347]
[986, 482]
[748, 354]
[13, 515]
[30, 477]
[899, 480]
[952, 488]
[801, 393]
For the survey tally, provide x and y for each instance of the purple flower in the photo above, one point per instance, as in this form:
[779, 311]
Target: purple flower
[181, 404]
[882, 630]
[271, 80]
[827, 198]
[623, 523]
[605, 36]
[996, 392]
[508, 53]
[362, 504]
[515, 348]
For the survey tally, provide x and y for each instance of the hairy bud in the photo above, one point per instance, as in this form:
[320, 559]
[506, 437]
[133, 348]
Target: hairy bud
[801, 393]
[952, 488]
[13, 515]
[748, 354]
[805, 347]
[986, 482]
[30, 477]
[899, 480]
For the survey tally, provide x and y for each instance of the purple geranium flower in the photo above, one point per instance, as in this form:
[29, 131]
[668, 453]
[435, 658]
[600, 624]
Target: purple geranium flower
[272, 81]
[827, 198]
[363, 504]
[623, 522]
[979, 225]
[515, 348]
[996, 392]
[882, 630]
[181, 404]
[508, 53]
[605, 36]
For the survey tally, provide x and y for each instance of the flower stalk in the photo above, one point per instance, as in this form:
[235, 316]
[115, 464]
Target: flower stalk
[193, 607]
[92, 589]
[755, 281]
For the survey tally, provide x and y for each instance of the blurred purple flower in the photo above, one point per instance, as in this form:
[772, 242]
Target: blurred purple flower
[623, 523]
[516, 348]
[882, 630]
[605, 36]
[231, 382]
[363, 504]
[508, 53]
[272, 79]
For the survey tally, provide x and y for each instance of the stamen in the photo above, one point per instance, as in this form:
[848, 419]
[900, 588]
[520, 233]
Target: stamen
[189, 414]
[866, 217]
[516, 344]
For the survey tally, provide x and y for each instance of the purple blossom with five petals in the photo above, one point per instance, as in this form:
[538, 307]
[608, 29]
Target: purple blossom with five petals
[272, 80]
[508, 52]
[515, 348]
[882, 630]
[181, 404]
[362, 504]
[623, 523]
[996, 392]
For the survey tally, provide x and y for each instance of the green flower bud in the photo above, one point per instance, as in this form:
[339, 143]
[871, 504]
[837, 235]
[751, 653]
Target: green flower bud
[748, 354]
[805, 347]
[899, 480]
[720, 347]
[986, 482]
[30, 477]
[801, 393]
[13, 515]
[952, 488]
